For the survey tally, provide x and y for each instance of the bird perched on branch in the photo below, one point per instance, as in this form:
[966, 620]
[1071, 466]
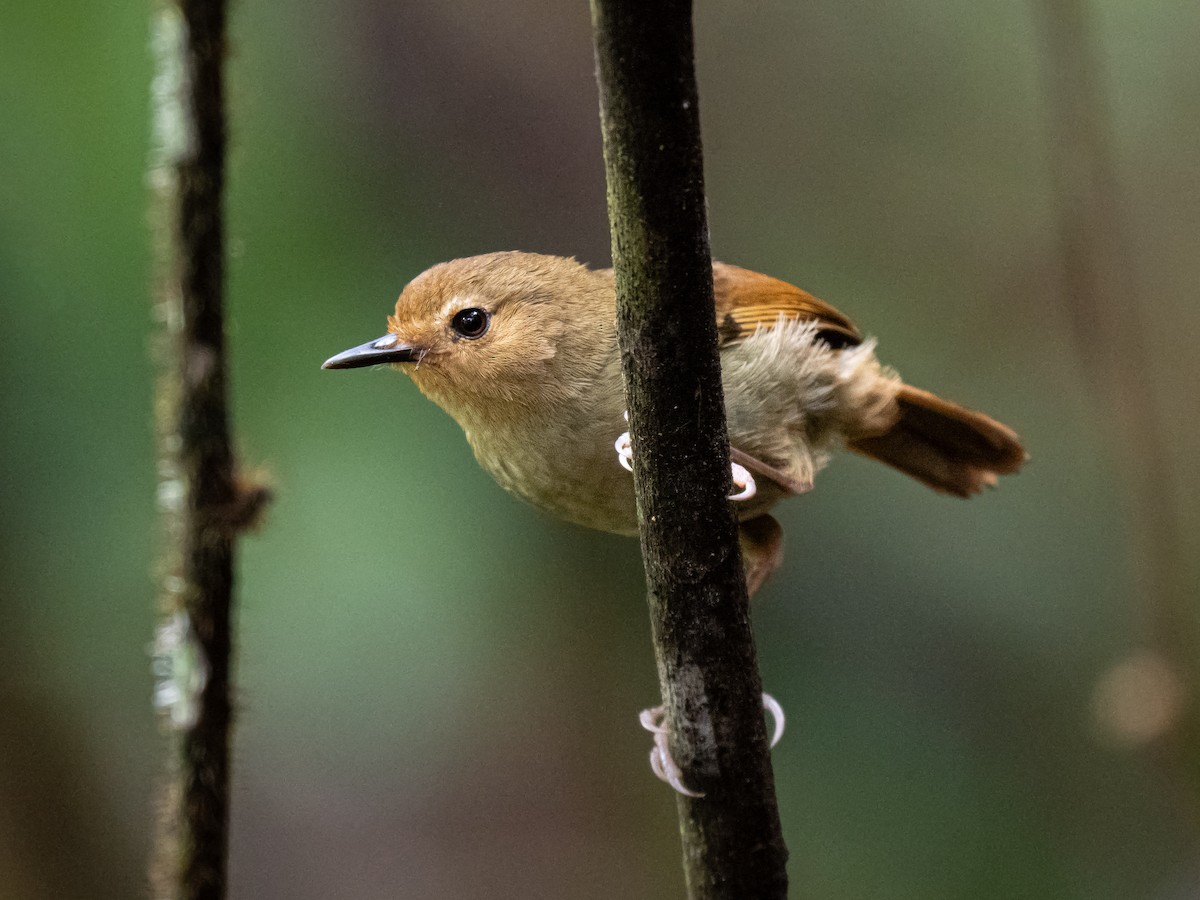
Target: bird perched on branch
[521, 349]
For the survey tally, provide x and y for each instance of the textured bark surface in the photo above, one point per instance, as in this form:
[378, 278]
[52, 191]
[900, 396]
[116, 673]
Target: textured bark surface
[202, 505]
[733, 846]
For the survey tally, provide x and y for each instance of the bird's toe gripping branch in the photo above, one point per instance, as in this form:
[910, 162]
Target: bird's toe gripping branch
[743, 481]
[661, 763]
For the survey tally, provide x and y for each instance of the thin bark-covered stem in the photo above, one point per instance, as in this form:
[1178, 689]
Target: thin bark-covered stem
[732, 842]
[202, 504]
[1100, 286]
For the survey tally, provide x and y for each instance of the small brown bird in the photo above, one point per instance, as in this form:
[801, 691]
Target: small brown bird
[521, 349]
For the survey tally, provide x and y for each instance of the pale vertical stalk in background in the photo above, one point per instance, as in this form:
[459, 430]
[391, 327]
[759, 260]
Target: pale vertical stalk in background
[202, 504]
[1150, 698]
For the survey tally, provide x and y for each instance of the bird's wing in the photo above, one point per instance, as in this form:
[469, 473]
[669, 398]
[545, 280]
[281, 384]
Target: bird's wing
[746, 300]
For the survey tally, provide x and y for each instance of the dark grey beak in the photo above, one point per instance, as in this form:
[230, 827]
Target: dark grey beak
[386, 349]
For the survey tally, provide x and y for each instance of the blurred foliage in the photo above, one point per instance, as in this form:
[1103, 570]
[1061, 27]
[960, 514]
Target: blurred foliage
[437, 684]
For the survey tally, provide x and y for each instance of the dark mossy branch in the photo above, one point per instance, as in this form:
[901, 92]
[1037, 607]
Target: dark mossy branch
[203, 504]
[733, 846]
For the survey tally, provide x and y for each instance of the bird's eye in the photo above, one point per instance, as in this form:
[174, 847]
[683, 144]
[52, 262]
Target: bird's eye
[471, 323]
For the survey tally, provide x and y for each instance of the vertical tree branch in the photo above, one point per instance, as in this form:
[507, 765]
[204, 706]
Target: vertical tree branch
[733, 846]
[200, 499]
[1100, 287]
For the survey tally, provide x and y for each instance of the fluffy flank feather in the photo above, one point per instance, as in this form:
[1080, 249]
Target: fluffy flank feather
[829, 395]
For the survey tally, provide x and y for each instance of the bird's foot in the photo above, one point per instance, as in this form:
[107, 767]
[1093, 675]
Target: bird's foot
[743, 481]
[661, 763]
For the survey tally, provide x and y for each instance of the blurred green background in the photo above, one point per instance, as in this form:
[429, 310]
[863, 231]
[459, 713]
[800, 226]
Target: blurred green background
[437, 685]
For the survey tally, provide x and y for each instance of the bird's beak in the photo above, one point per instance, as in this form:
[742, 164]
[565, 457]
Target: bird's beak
[387, 349]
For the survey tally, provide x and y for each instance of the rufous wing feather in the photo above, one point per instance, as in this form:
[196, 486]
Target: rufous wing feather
[747, 300]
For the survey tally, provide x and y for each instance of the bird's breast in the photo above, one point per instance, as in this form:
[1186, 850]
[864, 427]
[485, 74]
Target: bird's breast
[572, 473]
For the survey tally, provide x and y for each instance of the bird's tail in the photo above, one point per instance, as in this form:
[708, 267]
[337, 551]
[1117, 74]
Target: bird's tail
[946, 446]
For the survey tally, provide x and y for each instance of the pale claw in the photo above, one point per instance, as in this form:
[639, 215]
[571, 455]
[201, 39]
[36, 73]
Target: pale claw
[744, 482]
[624, 448]
[652, 719]
[771, 705]
[664, 766]
[661, 763]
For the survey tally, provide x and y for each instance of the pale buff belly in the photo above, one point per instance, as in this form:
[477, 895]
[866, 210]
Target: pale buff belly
[596, 492]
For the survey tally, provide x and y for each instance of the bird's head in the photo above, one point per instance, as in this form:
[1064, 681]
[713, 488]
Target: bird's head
[496, 334]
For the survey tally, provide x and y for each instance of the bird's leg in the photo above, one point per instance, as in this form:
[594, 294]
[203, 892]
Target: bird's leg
[754, 464]
[761, 539]
[653, 720]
